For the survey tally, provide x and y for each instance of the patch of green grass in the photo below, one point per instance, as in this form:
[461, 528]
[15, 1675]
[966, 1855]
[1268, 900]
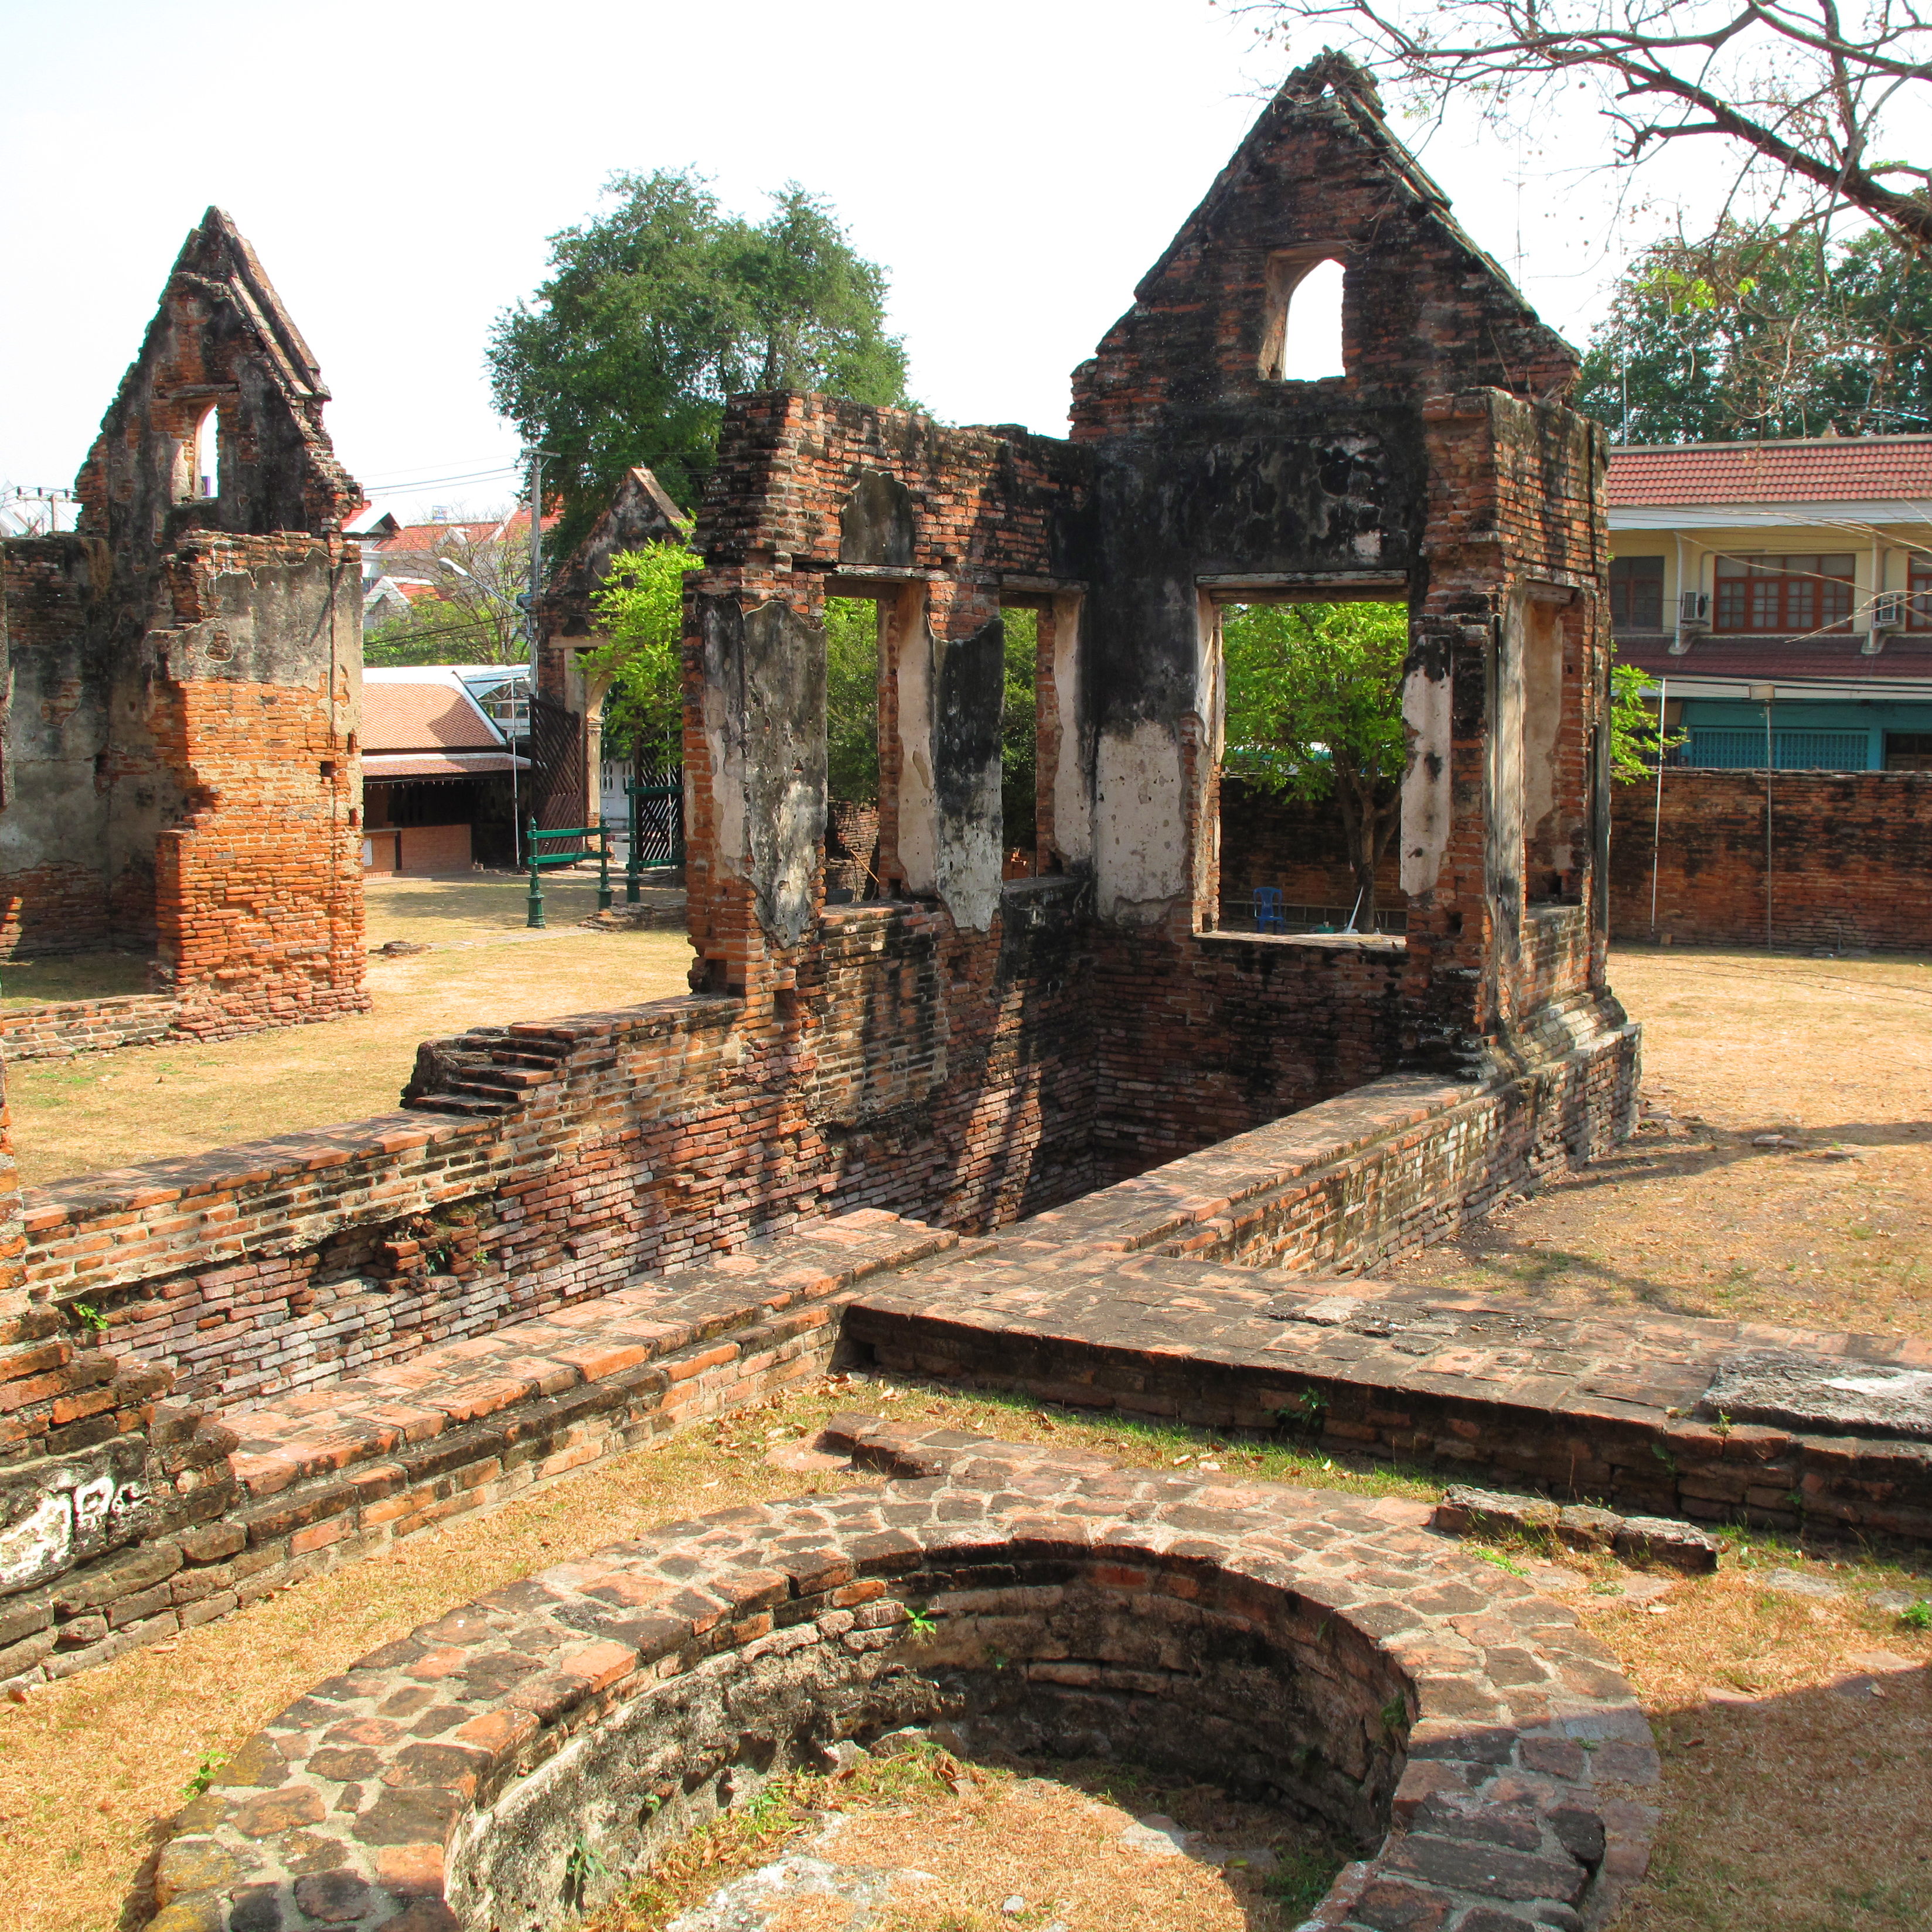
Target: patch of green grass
[1301, 1881]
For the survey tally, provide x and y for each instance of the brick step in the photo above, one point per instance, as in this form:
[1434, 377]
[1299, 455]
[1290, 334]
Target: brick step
[450, 1102]
[637, 1344]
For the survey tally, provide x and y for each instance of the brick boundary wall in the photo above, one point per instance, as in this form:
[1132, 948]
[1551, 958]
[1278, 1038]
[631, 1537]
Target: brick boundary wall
[65, 1027]
[1335, 1660]
[1852, 860]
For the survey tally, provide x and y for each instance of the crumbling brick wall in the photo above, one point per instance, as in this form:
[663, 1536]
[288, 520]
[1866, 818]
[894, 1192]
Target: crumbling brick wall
[187, 667]
[1851, 860]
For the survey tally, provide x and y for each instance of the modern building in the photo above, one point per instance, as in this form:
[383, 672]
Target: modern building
[1781, 587]
[440, 782]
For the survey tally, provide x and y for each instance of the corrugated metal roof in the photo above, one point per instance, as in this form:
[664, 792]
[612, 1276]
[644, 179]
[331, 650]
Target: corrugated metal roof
[1840, 660]
[1825, 470]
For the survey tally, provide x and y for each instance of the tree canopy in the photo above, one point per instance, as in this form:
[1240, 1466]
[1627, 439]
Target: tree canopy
[1763, 330]
[658, 308]
[641, 603]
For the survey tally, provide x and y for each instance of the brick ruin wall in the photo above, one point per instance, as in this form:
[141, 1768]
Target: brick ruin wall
[978, 1050]
[181, 772]
[1851, 860]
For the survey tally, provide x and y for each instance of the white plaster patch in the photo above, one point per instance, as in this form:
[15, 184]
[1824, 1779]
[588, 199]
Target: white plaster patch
[1425, 784]
[1140, 860]
[40, 1545]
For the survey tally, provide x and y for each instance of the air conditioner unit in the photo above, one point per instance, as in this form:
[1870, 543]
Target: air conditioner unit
[1887, 611]
[1694, 609]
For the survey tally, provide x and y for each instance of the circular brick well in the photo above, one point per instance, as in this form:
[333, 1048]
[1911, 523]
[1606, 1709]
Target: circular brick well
[510, 1763]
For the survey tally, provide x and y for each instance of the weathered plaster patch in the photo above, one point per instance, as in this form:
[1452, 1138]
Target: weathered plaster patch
[1426, 784]
[1139, 847]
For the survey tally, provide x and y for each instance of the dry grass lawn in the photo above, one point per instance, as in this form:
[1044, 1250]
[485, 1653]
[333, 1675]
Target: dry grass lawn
[942, 1844]
[1832, 1229]
[1781, 1804]
[109, 1110]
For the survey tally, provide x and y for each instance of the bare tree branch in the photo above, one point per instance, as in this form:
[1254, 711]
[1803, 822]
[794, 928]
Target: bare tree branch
[1789, 81]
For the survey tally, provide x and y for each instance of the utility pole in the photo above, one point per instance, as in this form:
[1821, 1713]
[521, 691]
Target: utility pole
[531, 629]
[536, 558]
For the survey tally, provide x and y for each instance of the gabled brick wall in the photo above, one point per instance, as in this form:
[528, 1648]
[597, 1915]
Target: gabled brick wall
[182, 751]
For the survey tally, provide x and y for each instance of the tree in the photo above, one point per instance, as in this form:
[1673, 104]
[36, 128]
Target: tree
[1636, 742]
[1763, 331]
[1314, 710]
[1788, 83]
[641, 602]
[852, 700]
[473, 617]
[659, 308]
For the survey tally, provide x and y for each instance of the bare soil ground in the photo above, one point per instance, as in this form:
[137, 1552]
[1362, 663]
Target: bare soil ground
[107, 1110]
[1784, 1170]
[1798, 1799]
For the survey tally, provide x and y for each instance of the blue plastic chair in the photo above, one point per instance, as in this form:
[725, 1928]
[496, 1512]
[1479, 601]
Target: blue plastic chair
[1268, 915]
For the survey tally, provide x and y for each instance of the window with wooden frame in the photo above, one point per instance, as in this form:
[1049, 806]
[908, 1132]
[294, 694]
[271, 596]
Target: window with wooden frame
[1636, 593]
[1764, 594]
[1918, 598]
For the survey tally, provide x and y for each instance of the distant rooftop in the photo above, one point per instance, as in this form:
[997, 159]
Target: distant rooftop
[1819, 470]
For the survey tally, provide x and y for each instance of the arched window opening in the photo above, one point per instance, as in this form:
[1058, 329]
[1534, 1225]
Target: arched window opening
[208, 455]
[1301, 340]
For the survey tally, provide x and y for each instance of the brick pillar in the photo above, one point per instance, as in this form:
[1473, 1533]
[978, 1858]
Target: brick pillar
[755, 763]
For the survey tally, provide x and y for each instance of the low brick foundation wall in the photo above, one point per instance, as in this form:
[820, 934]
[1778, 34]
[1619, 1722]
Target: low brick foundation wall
[1609, 1411]
[308, 1487]
[65, 1027]
[456, 1779]
[1851, 859]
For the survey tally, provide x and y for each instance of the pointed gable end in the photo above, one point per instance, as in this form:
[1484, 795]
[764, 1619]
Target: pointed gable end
[221, 342]
[1320, 177]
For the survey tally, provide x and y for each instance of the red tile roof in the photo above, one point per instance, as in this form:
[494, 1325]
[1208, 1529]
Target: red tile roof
[1827, 470]
[432, 716]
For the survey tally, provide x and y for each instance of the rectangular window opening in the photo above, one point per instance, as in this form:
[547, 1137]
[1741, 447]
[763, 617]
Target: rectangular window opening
[1311, 768]
[1908, 751]
[1019, 741]
[854, 627]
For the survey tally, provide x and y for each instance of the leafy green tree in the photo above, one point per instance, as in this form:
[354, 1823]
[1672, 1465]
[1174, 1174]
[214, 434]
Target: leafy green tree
[658, 309]
[1634, 726]
[641, 603]
[1314, 711]
[852, 700]
[1765, 330]
[1019, 747]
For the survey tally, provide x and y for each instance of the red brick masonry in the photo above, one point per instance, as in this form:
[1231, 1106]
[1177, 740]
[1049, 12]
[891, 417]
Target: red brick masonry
[1851, 861]
[1486, 1754]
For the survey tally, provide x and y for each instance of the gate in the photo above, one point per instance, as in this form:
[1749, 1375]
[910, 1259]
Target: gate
[657, 816]
[555, 748]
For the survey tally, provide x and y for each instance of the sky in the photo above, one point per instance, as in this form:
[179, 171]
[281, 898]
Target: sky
[1015, 166]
